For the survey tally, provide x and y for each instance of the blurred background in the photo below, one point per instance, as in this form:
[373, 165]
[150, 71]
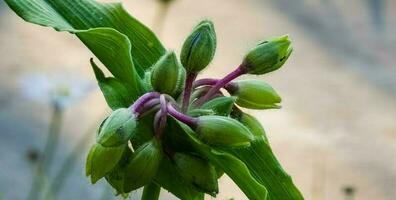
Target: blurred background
[335, 134]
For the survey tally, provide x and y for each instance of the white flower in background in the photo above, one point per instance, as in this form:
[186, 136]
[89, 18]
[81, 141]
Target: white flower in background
[59, 89]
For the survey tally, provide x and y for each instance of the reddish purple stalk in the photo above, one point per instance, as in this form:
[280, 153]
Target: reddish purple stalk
[139, 103]
[159, 128]
[205, 81]
[148, 105]
[187, 91]
[190, 121]
[221, 83]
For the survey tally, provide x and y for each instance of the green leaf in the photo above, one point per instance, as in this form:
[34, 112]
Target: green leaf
[114, 91]
[102, 160]
[77, 15]
[231, 165]
[264, 166]
[113, 49]
[262, 162]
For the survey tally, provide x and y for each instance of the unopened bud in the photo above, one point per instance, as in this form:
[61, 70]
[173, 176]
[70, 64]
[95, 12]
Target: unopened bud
[254, 94]
[117, 129]
[102, 160]
[253, 124]
[200, 112]
[222, 131]
[116, 177]
[221, 105]
[143, 166]
[198, 172]
[268, 56]
[199, 48]
[167, 75]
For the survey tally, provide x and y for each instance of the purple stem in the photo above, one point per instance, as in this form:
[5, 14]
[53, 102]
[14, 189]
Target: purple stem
[200, 92]
[215, 95]
[158, 124]
[163, 104]
[142, 100]
[190, 121]
[151, 110]
[221, 83]
[187, 91]
[205, 81]
[148, 105]
[160, 118]
[163, 120]
[231, 87]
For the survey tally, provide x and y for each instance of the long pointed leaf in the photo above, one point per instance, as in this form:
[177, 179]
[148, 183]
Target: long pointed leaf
[74, 15]
[264, 166]
[262, 162]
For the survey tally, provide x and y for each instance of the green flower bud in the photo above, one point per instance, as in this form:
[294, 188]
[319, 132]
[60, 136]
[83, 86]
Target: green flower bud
[254, 94]
[102, 160]
[167, 75]
[198, 172]
[200, 112]
[117, 129]
[143, 166]
[268, 56]
[252, 124]
[221, 105]
[199, 48]
[222, 131]
[116, 177]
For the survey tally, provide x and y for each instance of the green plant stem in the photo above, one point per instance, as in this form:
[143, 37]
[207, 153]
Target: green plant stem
[53, 137]
[68, 166]
[151, 192]
[51, 144]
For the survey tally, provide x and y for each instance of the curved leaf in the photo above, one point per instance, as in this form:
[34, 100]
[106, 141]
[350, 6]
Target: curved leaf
[77, 15]
[263, 164]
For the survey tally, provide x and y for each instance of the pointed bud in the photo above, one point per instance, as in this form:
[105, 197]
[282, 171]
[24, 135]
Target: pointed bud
[221, 105]
[167, 75]
[200, 112]
[102, 160]
[222, 131]
[117, 129]
[252, 123]
[116, 177]
[254, 94]
[199, 48]
[198, 172]
[143, 166]
[268, 56]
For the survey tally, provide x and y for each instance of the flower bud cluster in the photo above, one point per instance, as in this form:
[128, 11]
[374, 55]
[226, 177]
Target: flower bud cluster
[136, 146]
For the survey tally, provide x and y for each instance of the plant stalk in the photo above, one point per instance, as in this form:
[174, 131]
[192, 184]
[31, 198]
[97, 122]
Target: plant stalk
[205, 81]
[51, 145]
[187, 91]
[221, 83]
[190, 121]
[139, 103]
